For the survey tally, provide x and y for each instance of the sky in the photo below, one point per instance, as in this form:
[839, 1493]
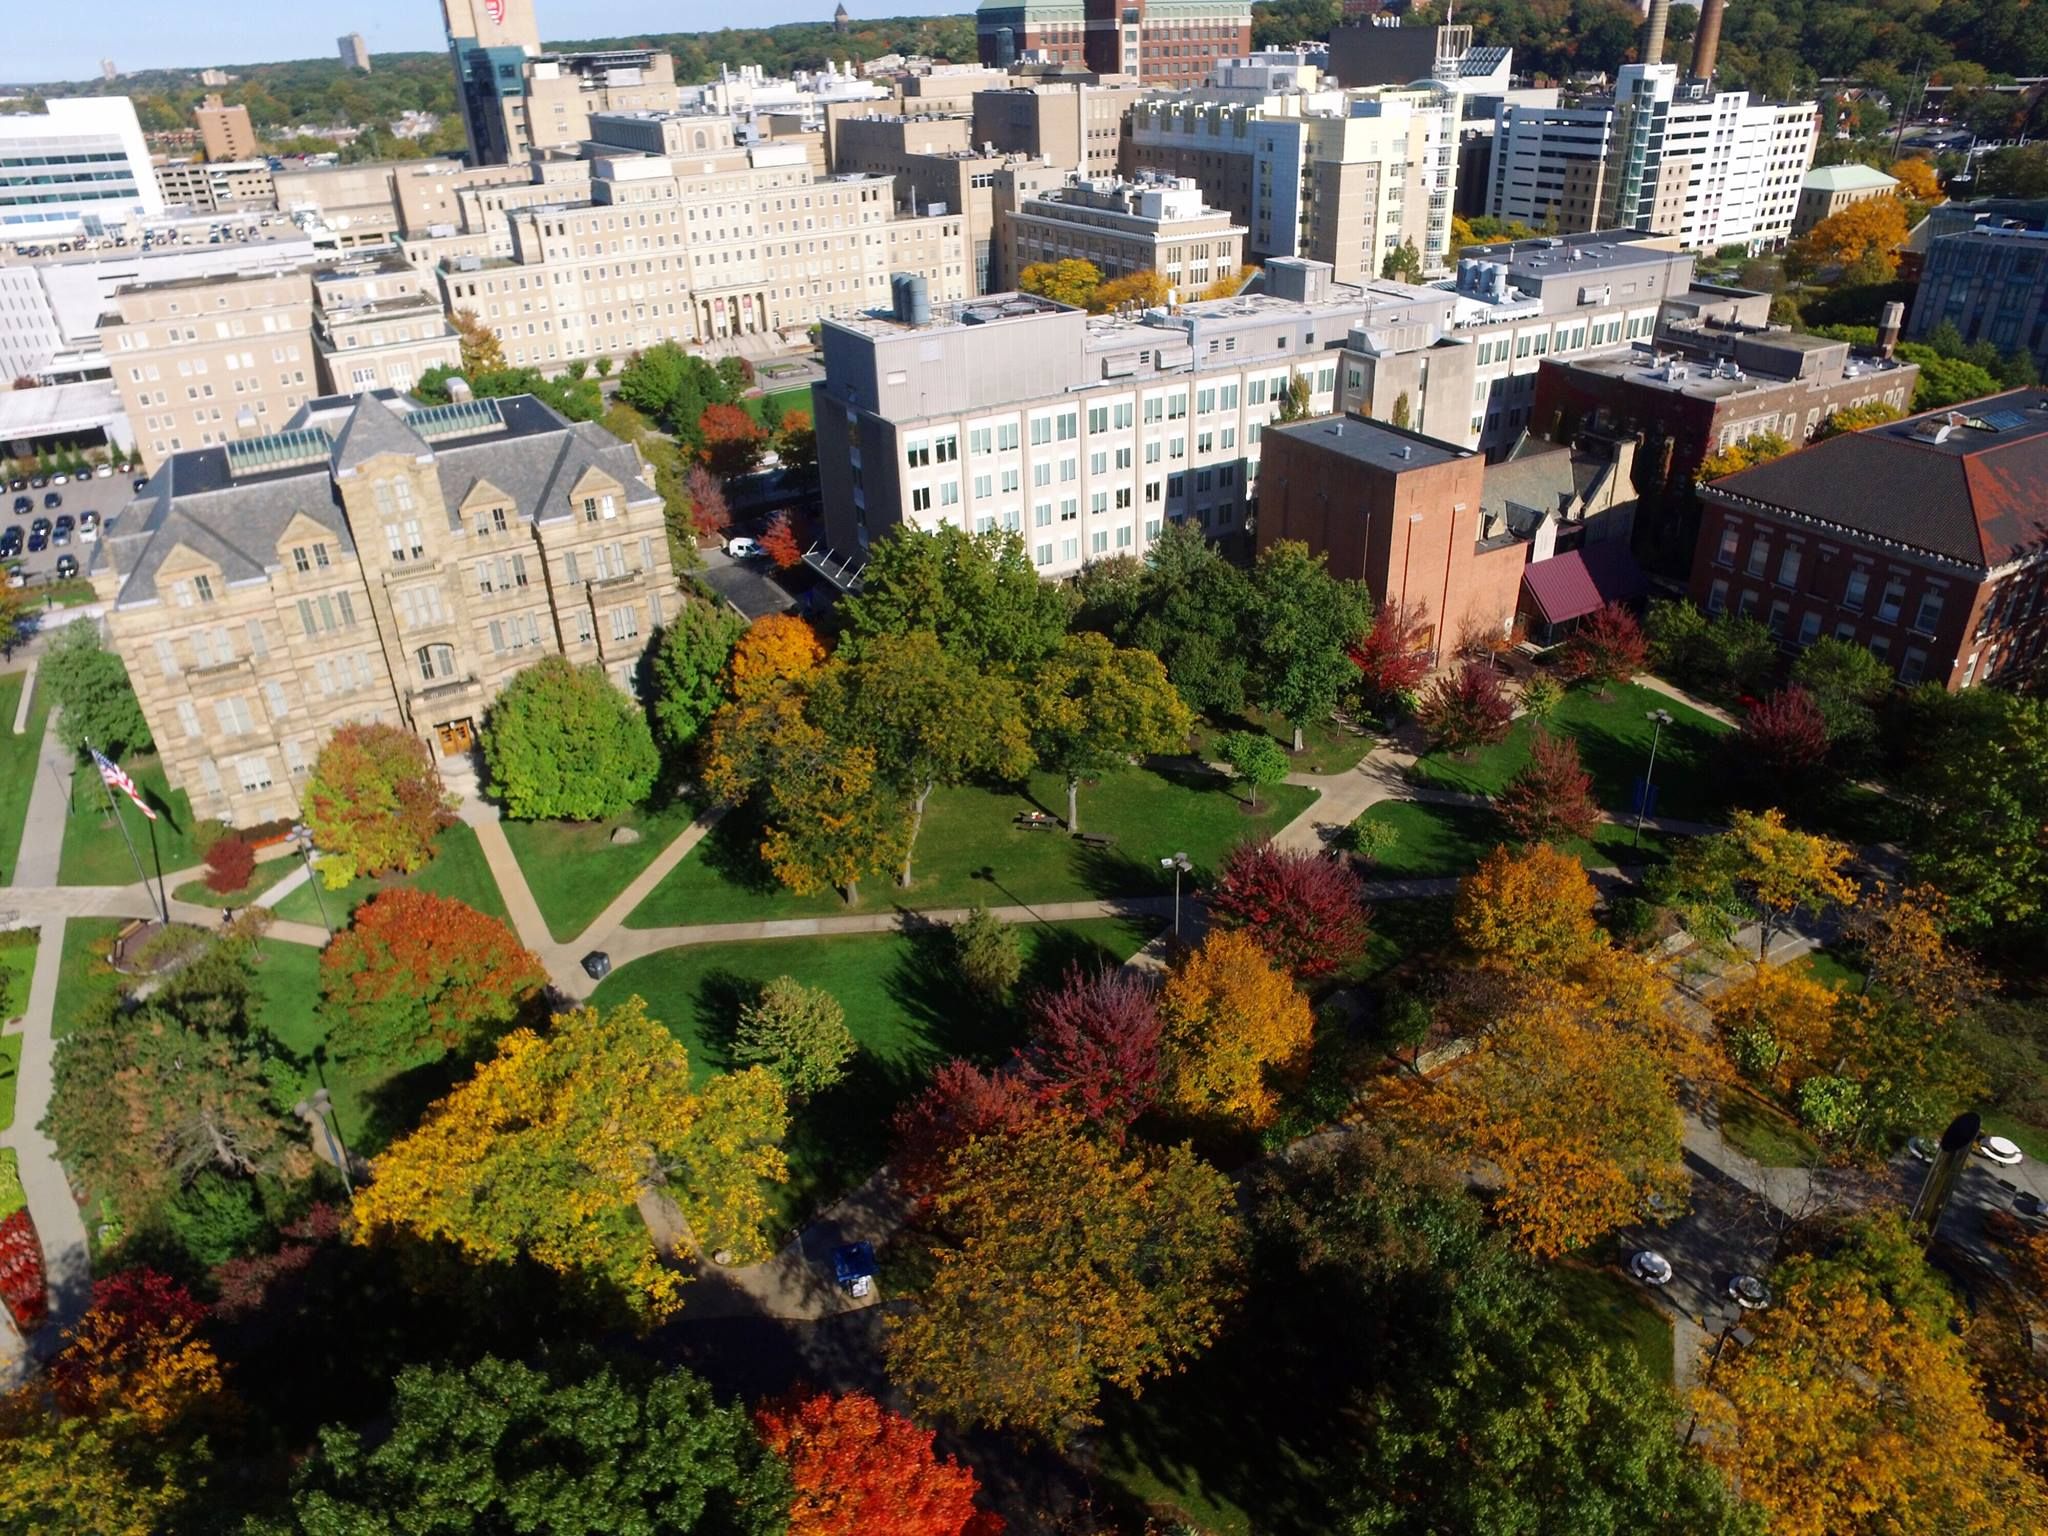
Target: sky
[53, 42]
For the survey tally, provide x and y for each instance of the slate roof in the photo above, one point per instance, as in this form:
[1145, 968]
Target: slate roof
[1572, 585]
[196, 499]
[1979, 498]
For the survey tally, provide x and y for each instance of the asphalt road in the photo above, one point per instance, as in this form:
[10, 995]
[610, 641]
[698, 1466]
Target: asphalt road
[102, 496]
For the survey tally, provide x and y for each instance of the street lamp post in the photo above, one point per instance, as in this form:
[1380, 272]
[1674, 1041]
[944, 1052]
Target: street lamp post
[1659, 718]
[315, 1112]
[302, 839]
[1179, 864]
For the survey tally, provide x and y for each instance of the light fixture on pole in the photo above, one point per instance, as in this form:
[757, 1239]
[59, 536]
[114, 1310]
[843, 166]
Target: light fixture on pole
[302, 839]
[316, 1112]
[1659, 718]
[1180, 865]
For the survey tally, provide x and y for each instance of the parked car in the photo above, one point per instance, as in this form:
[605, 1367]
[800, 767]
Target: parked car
[38, 540]
[740, 547]
[17, 484]
[59, 537]
[141, 481]
[10, 542]
[52, 499]
[67, 567]
[60, 479]
[24, 503]
[103, 472]
[40, 525]
[88, 526]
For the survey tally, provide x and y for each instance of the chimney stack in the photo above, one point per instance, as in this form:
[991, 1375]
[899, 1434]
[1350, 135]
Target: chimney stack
[1706, 42]
[1891, 319]
[1653, 31]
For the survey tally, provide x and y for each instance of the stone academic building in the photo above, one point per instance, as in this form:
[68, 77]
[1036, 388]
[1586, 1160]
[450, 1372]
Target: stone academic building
[377, 560]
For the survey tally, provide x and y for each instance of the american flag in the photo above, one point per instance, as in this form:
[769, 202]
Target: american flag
[119, 780]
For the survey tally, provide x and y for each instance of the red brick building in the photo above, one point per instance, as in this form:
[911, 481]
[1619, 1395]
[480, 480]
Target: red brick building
[1925, 540]
[1399, 511]
[1171, 43]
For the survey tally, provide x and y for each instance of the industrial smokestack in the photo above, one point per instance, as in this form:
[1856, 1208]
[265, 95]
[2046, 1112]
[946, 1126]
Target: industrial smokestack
[1653, 31]
[1706, 42]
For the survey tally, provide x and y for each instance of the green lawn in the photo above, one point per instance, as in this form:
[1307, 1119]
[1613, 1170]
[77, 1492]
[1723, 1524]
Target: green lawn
[902, 1003]
[1762, 1131]
[2029, 1138]
[458, 869]
[17, 965]
[11, 1197]
[264, 877]
[83, 975]
[1615, 1311]
[768, 408]
[1326, 747]
[1440, 840]
[575, 871]
[970, 851]
[1831, 970]
[18, 766]
[1614, 743]
[10, 1064]
[94, 853]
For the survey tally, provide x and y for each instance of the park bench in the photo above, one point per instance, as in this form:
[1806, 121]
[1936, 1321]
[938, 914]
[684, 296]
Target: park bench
[1096, 839]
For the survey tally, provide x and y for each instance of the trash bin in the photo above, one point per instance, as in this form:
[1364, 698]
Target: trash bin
[597, 965]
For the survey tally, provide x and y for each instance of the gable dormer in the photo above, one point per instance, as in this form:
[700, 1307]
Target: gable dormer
[185, 578]
[488, 511]
[596, 496]
[307, 548]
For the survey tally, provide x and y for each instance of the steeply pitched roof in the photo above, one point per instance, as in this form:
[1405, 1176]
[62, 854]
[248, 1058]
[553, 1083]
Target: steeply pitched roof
[373, 428]
[1978, 495]
[1572, 585]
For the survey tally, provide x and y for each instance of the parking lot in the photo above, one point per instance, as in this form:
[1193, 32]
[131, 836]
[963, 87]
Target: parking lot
[104, 497]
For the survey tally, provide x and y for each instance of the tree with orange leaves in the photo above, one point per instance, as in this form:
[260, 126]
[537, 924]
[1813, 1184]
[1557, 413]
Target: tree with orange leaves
[1777, 1025]
[419, 974]
[778, 543]
[1904, 939]
[780, 648]
[1230, 1017]
[1853, 1410]
[1917, 179]
[1875, 227]
[859, 1470]
[732, 440]
[1528, 909]
[138, 1352]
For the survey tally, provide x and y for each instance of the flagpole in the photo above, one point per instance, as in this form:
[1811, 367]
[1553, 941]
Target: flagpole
[114, 810]
[163, 901]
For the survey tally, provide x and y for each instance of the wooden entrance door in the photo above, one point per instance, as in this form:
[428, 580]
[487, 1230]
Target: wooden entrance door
[457, 737]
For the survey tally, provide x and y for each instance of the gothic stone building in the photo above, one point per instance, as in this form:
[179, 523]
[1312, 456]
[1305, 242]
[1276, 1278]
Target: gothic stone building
[376, 560]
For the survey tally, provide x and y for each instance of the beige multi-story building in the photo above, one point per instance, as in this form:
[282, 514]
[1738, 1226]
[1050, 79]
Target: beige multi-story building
[1828, 189]
[378, 324]
[1074, 125]
[224, 130]
[217, 186]
[208, 360]
[1154, 224]
[355, 53]
[204, 360]
[1343, 177]
[377, 561]
[680, 234]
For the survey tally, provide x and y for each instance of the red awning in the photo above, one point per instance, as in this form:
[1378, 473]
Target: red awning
[1570, 586]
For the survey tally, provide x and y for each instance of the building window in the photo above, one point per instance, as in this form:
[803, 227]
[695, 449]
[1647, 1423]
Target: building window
[1788, 568]
[301, 562]
[188, 718]
[625, 622]
[1809, 628]
[1929, 615]
[1914, 665]
[1893, 602]
[254, 771]
[1759, 556]
[1857, 589]
[437, 662]
[233, 717]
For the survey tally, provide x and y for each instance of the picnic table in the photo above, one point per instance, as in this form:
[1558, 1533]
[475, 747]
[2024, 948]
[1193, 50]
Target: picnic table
[1037, 821]
[1096, 839]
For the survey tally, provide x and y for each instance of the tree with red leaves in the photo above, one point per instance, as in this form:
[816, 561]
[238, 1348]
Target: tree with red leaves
[709, 514]
[244, 1286]
[1466, 709]
[1608, 646]
[1306, 911]
[418, 973]
[961, 1102]
[229, 864]
[779, 543]
[732, 439]
[1393, 656]
[1094, 1046]
[858, 1470]
[1551, 799]
[23, 1288]
[1784, 738]
[137, 1350]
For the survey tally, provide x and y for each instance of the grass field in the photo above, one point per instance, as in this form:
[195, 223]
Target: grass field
[10, 1064]
[18, 766]
[262, 879]
[1831, 970]
[1440, 840]
[903, 1004]
[458, 869]
[83, 975]
[17, 965]
[1763, 1132]
[1326, 747]
[1613, 1308]
[768, 408]
[94, 853]
[1614, 743]
[574, 869]
[970, 851]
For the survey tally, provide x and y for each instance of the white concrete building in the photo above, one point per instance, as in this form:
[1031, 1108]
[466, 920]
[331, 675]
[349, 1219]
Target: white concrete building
[79, 166]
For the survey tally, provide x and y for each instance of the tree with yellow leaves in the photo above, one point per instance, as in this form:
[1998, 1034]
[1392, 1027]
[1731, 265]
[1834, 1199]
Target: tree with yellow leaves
[137, 1351]
[1760, 870]
[1777, 1025]
[99, 1475]
[780, 648]
[551, 1146]
[1146, 289]
[1917, 179]
[1229, 1017]
[1875, 227]
[1529, 909]
[1904, 939]
[1854, 1410]
[1060, 1265]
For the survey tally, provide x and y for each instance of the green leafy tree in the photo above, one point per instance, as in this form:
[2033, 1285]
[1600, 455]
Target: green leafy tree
[587, 1451]
[1255, 759]
[374, 802]
[1194, 609]
[798, 1033]
[1846, 684]
[931, 716]
[978, 592]
[562, 742]
[89, 685]
[147, 1097]
[989, 954]
[1306, 621]
[674, 388]
[685, 672]
[1094, 707]
[1403, 264]
[1295, 404]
